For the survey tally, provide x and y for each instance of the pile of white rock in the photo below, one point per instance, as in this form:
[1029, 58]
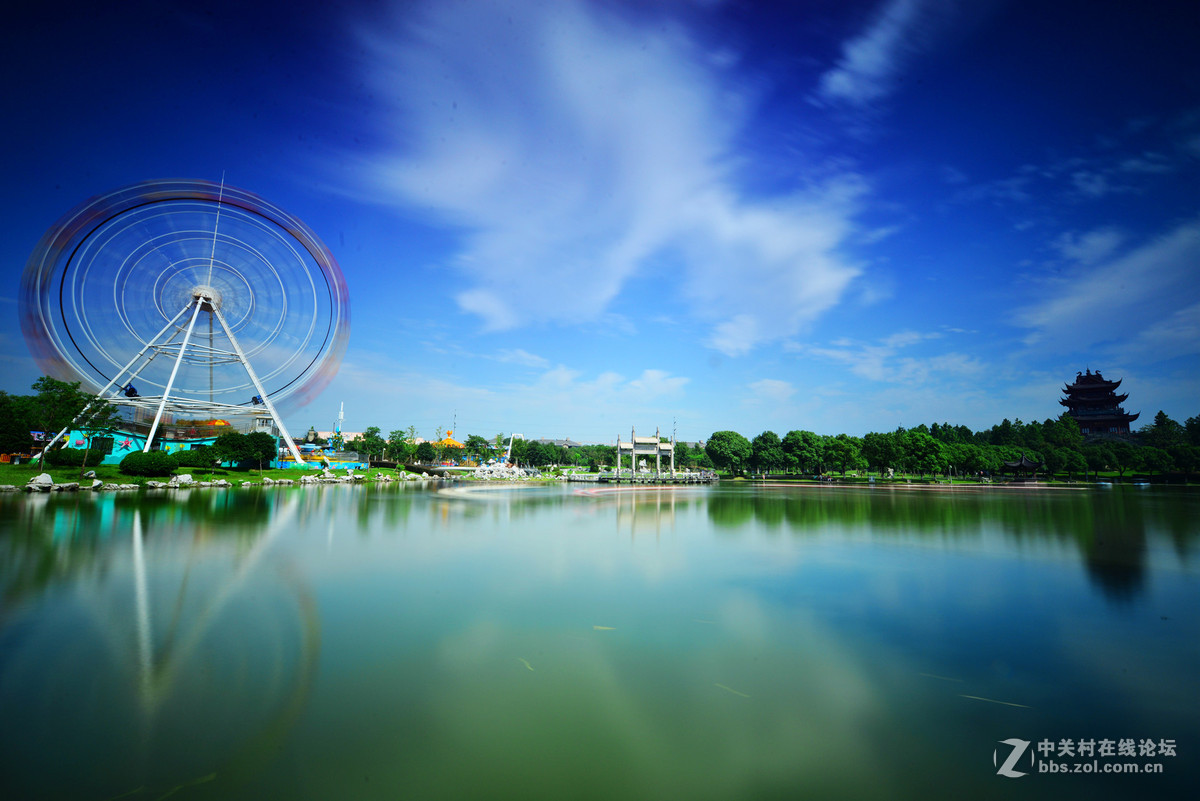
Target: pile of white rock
[502, 472]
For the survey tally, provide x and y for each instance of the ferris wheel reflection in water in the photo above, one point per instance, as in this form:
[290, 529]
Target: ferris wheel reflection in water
[181, 659]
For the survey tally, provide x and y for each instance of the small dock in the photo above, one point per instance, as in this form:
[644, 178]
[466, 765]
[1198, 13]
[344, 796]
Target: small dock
[630, 477]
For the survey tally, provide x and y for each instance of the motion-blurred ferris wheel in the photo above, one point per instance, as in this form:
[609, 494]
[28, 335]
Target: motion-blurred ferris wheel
[187, 298]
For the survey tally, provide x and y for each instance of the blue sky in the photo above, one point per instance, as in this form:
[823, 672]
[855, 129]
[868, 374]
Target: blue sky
[566, 218]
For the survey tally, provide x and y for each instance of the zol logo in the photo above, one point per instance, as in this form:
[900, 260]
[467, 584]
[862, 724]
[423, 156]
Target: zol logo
[1019, 747]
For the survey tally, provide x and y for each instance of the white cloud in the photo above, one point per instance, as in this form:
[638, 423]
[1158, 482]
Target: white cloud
[1177, 334]
[571, 147]
[521, 357]
[772, 391]
[871, 61]
[1090, 247]
[883, 362]
[382, 391]
[1112, 300]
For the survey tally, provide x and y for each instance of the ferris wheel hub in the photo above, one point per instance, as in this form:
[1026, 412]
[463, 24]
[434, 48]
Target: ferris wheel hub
[209, 298]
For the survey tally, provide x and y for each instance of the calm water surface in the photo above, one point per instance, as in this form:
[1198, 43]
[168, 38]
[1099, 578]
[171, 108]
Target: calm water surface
[551, 642]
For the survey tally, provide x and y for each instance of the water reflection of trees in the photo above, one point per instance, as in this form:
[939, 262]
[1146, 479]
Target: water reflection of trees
[1108, 528]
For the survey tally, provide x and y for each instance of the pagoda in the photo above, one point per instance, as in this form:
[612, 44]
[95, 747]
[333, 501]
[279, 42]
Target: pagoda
[1094, 403]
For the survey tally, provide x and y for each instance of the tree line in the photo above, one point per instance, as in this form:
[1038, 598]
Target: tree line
[1164, 446]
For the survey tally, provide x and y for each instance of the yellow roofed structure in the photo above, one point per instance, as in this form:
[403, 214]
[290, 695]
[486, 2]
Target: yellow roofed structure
[447, 442]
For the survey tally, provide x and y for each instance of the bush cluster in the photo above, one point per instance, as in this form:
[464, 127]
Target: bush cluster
[73, 457]
[151, 463]
[202, 456]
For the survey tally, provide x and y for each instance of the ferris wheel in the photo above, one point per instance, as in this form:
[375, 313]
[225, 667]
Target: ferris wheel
[187, 298]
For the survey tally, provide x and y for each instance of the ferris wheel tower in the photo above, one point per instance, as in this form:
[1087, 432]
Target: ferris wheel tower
[186, 299]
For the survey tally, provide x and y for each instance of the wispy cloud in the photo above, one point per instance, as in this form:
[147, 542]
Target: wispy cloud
[542, 403]
[1089, 247]
[772, 391]
[872, 61]
[571, 147]
[1111, 297]
[521, 357]
[883, 361]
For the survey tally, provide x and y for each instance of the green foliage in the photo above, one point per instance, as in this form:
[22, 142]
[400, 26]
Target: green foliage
[842, 452]
[766, 452]
[729, 450]
[1163, 433]
[426, 453]
[478, 448]
[400, 447]
[233, 447]
[262, 447]
[202, 456]
[151, 463]
[73, 457]
[803, 450]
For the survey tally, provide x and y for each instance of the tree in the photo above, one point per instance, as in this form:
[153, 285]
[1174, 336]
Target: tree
[373, 444]
[59, 403]
[1075, 464]
[400, 447]
[802, 449]
[1124, 456]
[15, 423]
[881, 451]
[1056, 460]
[262, 447]
[1192, 430]
[425, 453]
[843, 453]
[766, 452]
[1098, 456]
[477, 447]
[233, 447]
[1163, 433]
[1155, 460]
[922, 452]
[728, 450]
[1063, 432]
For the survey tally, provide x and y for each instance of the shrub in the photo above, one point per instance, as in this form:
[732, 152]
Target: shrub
[73, 457]
[151, 463]
[202, 456]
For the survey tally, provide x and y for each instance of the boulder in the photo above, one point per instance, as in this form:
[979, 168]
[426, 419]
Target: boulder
[40, 481]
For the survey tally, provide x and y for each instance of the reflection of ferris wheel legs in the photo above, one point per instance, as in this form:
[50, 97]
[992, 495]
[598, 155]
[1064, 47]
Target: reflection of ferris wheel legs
[206, 299]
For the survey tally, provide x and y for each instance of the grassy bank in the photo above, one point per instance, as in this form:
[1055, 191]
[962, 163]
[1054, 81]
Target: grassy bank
[19, 475]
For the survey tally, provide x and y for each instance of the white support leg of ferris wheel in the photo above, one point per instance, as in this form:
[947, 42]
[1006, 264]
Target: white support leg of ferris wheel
[117, 377]
[262, 393]
[199, 302]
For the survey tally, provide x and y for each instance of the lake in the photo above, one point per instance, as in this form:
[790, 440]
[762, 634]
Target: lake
[739, 641]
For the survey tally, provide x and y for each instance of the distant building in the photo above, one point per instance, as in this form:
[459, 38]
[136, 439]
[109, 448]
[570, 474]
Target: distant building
[1094, 403]
[560, 443]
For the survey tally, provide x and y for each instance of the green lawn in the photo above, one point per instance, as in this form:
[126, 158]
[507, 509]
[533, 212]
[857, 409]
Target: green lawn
[19, 475]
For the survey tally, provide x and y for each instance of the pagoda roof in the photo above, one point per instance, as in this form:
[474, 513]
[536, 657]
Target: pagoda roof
[1024, 463]
[1092, 381]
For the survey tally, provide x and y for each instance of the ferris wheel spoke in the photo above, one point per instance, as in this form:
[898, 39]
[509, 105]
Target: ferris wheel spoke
[102, 295]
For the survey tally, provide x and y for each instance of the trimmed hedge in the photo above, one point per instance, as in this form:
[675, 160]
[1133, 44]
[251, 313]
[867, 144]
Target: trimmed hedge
[151, 463]
[203, 456]
[73, 457]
